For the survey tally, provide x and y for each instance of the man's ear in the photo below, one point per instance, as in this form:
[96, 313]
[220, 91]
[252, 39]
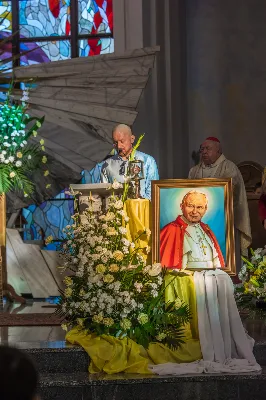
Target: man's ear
[132, 139]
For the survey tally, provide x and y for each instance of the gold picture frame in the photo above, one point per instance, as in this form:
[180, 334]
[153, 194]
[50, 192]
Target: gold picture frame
[160, 199]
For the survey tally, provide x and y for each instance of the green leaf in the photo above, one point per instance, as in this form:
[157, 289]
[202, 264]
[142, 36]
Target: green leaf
[5, 180]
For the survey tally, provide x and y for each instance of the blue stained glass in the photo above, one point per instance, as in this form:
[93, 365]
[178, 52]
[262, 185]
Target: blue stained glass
[6, 53]
[43, 205]
[47, 206]
[45, 51]
[66, 213]
[53, 215]
[50, 218]
[5, 17]
[64, 48]
[95, 16]
[95, 46]
[39, 18]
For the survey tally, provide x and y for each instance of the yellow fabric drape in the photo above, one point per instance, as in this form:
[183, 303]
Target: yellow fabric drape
[111, 355]
[139, 213]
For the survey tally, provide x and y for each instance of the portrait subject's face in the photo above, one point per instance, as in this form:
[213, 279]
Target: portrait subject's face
[193, 207]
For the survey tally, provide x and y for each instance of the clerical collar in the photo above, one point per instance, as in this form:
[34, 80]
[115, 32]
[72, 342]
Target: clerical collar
[217, 162]
[195, 224]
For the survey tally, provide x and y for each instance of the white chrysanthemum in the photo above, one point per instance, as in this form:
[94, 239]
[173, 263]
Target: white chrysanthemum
[116, 185]
[122, 230]
[138, 286]
[118, 204]
[153, 285]
[155, 269]
[160, 280]
[125, 242]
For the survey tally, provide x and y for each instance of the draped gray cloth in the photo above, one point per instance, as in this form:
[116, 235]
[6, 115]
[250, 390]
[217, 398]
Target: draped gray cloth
[225, 345]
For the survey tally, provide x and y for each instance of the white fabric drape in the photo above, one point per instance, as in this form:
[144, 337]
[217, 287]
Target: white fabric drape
[225, 345]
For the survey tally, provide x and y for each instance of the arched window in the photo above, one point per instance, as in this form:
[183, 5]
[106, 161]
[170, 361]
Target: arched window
[53, 30]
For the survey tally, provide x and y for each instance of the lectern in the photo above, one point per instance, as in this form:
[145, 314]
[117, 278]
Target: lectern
[101, 192]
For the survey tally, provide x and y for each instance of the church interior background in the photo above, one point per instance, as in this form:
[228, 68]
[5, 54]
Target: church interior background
[185, 70]
[189, 104]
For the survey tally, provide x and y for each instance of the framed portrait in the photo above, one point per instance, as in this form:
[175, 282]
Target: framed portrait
[193, 224]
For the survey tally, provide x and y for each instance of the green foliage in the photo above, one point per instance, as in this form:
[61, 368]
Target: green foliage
[110, 289]
[253, 286]
[18, 158]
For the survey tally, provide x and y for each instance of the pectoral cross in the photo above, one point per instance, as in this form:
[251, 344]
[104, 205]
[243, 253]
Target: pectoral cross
[203, 248]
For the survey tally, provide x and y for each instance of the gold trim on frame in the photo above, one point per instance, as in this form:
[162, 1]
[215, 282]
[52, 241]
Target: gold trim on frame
[192, 184]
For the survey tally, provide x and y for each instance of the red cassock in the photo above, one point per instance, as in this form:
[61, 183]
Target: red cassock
[262, 207]
[172, 240]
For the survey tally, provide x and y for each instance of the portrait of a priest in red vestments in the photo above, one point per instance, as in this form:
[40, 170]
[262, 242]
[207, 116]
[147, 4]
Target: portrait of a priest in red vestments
[187, 242]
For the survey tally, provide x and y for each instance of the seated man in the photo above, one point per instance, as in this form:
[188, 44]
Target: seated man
[187, 242]
[115, 168]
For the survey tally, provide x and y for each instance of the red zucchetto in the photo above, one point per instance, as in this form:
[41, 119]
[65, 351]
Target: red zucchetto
[213, 139]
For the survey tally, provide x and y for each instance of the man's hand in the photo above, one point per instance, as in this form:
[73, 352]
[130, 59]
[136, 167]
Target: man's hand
[264, 224]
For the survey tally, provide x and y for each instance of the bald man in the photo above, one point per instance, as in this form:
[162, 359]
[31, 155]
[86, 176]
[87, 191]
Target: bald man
[115, 168]
[187, 242]
[214, 165]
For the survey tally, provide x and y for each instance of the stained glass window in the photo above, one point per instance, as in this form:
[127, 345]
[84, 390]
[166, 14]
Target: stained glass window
[46, 26]
[5, 32]
[49, 219]
[95, 16]
[45, 51]
[5, 16]
[39, 18]
[95, 46]
[55, 30]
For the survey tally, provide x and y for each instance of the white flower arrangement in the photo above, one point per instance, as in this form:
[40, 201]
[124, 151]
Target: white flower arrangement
[111, 289]
[18, 159]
